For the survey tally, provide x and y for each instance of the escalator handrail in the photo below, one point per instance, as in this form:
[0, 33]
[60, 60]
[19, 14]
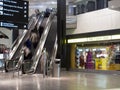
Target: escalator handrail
[54, 52]
[40, 21]
[41, 43]
[15, 42]
[23, 36]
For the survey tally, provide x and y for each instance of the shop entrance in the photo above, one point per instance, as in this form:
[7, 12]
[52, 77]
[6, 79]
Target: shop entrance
[100, 56]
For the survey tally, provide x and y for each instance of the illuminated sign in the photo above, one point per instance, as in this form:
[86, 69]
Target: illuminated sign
[92, 39]
[99, 38]
[14, 14]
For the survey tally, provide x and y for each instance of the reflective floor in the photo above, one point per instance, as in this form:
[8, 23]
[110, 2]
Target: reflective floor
[67, 81]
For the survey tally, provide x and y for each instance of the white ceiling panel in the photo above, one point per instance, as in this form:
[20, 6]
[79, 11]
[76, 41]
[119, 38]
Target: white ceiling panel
[47, 1]
[43, 4]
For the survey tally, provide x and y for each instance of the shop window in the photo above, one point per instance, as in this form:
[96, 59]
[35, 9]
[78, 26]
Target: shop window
[78, 9]
[82, 8]
[90, 6]
[102, 4]
[106, 57]
[74, 11]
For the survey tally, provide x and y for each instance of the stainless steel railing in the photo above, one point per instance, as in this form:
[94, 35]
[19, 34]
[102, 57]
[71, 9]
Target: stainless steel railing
[41, 43]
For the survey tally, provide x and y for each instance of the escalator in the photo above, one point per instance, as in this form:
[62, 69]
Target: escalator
[47, 41]
[50, 47]
[50, 41]
[18, 44]
[21, 39]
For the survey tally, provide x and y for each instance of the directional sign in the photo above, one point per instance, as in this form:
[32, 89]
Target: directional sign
[14, 13]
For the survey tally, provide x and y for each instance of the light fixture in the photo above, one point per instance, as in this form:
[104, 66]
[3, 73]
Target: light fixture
[92, 39]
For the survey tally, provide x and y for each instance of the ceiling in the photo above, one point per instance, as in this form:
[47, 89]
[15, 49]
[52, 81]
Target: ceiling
[41, 1]
[43, 4]
[46, 2]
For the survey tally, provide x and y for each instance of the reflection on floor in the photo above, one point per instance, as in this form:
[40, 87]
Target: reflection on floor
[67, 81]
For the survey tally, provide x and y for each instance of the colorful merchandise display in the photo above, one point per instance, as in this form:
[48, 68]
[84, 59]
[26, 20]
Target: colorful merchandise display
[77, 55]
[98, 57]
[89, 59]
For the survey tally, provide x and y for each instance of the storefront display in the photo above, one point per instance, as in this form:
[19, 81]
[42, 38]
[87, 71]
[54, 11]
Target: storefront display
[89, 61]
[106, 57]
[114, 57]
[77, 55]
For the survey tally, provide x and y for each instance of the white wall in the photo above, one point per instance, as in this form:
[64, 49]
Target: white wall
[99, 20]
[7, 42]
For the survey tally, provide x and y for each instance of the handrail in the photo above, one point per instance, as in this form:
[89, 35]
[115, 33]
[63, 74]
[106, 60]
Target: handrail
[54, 52]
[39, 23]
[15, 66]
[16, 41]
[40, 19]
[41, 43]
[25, 33]
[50, 68]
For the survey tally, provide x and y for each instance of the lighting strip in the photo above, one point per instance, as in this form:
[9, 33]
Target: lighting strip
[97, 38]
[77, 40]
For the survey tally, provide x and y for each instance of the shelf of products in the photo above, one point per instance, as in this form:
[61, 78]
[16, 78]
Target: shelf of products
[99, 57]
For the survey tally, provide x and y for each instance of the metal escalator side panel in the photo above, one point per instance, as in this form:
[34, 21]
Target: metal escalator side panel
[54, 51]
[53, 55]
[49, 44]
[41, 43]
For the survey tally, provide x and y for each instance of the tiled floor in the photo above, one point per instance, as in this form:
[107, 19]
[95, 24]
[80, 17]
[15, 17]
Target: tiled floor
[67, 81]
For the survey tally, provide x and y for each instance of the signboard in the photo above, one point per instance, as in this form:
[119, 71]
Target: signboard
[71, 22]
[14, 14]
[97, 38]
